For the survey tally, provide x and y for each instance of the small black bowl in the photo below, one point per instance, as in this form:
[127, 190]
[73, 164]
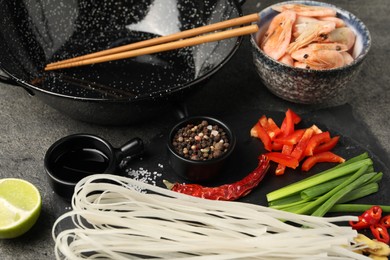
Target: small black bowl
[76, 156]
[199, 170]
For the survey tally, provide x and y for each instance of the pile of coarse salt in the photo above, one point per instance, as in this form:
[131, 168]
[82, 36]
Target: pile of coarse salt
[144, 176]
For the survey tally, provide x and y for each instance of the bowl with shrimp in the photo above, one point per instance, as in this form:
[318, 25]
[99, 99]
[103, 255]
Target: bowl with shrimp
[308, 52]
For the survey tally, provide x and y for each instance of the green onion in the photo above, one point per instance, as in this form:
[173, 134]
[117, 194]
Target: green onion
[342, 190]
[285, 200]
[326, 196]
[361, 192]
[322, 188]
[335, 172]
[356, 207]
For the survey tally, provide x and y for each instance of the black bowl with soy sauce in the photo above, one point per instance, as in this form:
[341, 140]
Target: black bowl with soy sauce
[77, 156]
[199, 147]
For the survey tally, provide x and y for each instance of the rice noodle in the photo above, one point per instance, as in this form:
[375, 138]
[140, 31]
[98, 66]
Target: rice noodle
[112, 220]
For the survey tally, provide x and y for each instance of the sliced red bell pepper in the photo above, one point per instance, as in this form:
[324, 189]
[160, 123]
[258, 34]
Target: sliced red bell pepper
[380, 233]
[259, 132]
[302, 143]
[287, 160]
[281, 168]
[326, 146]
[290, 139]
[315, 140]
[270, 126]
[385, 221]
[316, 129]
[321, 157]
[276, 146]
[289, 121]
[273, 129]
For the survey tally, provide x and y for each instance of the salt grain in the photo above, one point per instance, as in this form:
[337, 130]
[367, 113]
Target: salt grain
[144, 176]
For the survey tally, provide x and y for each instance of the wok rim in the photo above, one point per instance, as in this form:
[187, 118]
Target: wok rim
[30, 88]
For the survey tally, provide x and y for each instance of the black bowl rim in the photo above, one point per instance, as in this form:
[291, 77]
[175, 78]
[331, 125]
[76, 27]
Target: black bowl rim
[356, 61]
[59, 142]
[230, 132]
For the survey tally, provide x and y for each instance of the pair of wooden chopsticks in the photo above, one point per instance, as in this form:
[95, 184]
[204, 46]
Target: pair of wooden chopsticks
[164, 43]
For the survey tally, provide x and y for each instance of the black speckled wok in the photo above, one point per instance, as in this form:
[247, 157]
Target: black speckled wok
[34, 33]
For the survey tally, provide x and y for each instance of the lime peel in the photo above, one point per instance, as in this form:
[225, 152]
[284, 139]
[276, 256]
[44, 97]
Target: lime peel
[20, 207]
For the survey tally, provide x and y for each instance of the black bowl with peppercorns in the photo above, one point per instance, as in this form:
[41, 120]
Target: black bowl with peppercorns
[199, 146]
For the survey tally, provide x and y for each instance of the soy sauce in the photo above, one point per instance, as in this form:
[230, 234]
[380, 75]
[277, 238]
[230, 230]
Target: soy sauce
[76, 164]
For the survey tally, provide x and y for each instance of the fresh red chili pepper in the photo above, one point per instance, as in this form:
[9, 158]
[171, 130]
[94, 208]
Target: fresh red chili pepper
[285, 159]
[360, 224]
[385, 221]
[232, 191]
[321, 157]
[259, 132]
[369, 217]
[314, 141]
[327, 146]
[380, 233]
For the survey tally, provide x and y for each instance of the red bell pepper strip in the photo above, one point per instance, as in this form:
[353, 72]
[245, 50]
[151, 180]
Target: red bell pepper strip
[315, 140]
[273, 129]
[290, 139]
[326, 146]
[321, 157]
[281, 168]
[380, 233]
[287, 160]
[301, 145]
[259, 132]
[277, 147]
[369, 217]
[289, 121]
[270, 126]
[385, 221]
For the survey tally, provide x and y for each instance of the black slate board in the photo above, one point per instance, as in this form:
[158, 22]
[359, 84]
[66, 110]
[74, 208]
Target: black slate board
[339, 121]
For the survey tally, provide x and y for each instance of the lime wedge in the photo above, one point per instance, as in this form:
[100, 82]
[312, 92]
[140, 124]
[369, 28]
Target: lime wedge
[20, 206]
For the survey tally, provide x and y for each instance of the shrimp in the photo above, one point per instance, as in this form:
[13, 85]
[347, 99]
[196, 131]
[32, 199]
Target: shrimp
[328, 46]
[301, 23]
[286, 59]
[343, 35]
[348, 59]
[307, 10]
[318, 59]
[339, 22]
[278, 36]
[313, 32]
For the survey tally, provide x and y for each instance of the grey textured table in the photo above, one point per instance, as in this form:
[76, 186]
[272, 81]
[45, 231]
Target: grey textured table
[28, 126]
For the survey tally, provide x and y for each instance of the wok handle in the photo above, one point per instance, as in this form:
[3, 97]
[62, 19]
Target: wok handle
[14, 82]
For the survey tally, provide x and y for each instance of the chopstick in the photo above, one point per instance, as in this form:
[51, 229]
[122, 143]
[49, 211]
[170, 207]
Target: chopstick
[164, 43]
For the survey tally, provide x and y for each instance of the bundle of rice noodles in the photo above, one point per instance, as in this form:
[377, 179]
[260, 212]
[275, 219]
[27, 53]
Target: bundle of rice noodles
[111, 219]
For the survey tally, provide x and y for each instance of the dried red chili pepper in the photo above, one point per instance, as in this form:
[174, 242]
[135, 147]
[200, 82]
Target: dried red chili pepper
[231, 191]
[368, 218]
[380, 233]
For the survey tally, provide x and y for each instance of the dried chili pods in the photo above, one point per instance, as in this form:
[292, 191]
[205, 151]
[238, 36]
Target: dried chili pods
[231, 191]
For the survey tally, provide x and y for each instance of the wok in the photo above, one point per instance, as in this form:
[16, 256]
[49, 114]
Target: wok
[34, 33]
